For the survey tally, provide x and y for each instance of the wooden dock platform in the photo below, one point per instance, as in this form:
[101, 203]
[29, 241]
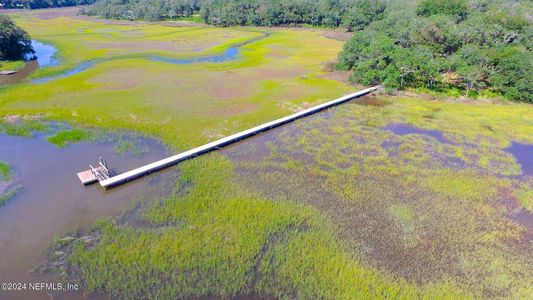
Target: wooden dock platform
[8, 72]
[93, 175]
[87, 177]
[164, 163]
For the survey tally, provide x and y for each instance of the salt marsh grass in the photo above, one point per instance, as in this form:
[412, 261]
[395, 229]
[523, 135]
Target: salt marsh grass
[335, 207]
[5, 171]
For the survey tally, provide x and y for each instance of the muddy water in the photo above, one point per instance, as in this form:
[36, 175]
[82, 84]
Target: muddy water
[52, 201]
[28, 68]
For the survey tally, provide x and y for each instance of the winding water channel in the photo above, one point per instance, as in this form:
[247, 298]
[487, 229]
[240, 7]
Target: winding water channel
[46, 56]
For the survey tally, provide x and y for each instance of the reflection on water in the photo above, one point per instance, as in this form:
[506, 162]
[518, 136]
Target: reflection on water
[43, 53]
[53, 202]
[43, 57]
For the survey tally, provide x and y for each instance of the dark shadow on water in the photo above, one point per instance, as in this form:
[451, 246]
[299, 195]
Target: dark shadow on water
[250, 151]
[524, 156]
[405, 129]
[371, 101]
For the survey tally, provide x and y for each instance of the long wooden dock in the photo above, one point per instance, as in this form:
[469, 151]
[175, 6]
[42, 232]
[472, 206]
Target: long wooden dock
[164, 163]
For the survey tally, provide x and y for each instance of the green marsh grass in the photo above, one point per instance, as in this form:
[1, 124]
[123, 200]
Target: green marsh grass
[11, 65]
[124, 146]
[368, 214]
[10, 193]
[425, 211]
[525, 195]
[223, 241]
[5, 171]
[24, 127]
[65, 137]
[6, 175]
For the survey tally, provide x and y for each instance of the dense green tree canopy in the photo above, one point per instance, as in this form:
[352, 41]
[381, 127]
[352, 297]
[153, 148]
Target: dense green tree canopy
[352, 14]
[14, 42]
[477, 45]
[41, 3]
[473, 45]
[151, 10]
[438, 7]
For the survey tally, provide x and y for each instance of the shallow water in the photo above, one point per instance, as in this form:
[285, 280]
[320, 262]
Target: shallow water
[230, 54]
[405, 129]
[43, 57]
[80, 68]
[53, 202]
[524, 156]
[44, 54]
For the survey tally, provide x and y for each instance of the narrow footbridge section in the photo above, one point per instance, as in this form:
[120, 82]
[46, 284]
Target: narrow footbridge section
[167, 162]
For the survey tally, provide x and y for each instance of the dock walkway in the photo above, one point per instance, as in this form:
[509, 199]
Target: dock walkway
[164, 163]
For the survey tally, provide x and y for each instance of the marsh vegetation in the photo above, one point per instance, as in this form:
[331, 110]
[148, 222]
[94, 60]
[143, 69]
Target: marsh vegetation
[467, 47]
[385, 197]
[41, 198]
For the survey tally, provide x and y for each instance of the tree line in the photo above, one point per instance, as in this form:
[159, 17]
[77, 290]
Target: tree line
[15, 43]
[478, 45]
[33, 4]
[351, 14]
[470, 45]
